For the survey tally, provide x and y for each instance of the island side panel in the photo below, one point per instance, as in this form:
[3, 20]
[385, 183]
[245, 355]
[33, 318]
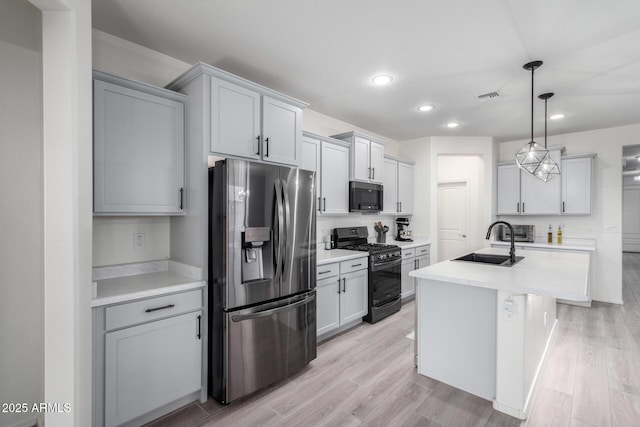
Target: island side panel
[525, 326]
[457, 336]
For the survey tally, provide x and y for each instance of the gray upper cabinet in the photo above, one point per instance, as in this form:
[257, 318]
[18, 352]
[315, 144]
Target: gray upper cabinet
[241, 118]
[138, 142]
[577, 184]
[235, 120]
[398, 186]
[367, 157]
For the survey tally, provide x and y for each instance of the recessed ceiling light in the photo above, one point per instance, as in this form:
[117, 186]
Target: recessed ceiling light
[426, 107]
[636, 178]
[453, 125]
[382, 80]
[556, 117]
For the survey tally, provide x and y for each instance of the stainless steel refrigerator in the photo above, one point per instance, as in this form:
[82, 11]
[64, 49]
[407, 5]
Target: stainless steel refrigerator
[262, 275]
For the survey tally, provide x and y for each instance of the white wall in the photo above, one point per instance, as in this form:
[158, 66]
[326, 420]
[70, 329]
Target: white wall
[426, 152]
[21, 204]
[607, 202]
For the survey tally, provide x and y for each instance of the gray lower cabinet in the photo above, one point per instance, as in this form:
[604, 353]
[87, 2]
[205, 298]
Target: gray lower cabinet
[150, 356]
[412, 259]
[341, 295]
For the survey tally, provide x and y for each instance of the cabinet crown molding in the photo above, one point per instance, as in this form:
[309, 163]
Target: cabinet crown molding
[202, 68]
[136, 85]
[398, 159]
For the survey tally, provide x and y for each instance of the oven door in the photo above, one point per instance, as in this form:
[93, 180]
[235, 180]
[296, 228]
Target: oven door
[384, 281]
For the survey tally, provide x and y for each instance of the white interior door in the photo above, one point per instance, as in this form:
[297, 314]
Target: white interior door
[453, 219]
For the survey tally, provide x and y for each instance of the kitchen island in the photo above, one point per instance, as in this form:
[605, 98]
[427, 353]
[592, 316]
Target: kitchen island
[485, 329]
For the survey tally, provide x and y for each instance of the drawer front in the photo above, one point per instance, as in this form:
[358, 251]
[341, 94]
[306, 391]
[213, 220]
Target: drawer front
[118, 316]
[328, 270]
[353, 265]
[408, 253]
[423, 250]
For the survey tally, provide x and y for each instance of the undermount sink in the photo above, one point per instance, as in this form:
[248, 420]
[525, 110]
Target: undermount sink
[501, 260]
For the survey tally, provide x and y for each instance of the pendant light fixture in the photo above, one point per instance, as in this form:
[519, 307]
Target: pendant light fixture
[532, 154]
[548, 168]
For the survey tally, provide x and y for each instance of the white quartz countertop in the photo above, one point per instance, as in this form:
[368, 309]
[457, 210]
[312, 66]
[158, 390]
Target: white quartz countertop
[575, 246]
[561, 275]
[128, 288]
[417, 241]
[324, 256]
[115, 284]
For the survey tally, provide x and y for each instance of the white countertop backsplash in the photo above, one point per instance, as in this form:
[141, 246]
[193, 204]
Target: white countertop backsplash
[570, 244]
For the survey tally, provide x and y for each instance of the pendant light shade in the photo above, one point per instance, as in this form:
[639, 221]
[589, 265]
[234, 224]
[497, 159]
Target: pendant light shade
[530, 156]
[548, 168]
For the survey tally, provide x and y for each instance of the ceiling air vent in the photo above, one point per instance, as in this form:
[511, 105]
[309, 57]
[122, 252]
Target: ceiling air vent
[488, 96]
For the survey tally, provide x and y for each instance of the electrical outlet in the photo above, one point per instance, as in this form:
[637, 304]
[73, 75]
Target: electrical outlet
[510, 311]
[138, 241]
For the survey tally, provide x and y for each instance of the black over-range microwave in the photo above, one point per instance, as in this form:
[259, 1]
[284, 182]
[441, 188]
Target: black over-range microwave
[364, 197]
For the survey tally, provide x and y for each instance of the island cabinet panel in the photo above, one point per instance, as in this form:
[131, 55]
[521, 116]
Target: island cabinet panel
[138, 137]
[457, 336]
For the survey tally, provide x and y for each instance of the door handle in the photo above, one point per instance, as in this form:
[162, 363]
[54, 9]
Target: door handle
[164, 307]
[267, 150]
[562, 207]
[286, 222]
[344, 285]
[369, 174]
[199, 334]
[339, 286]
[400, 206]
[267, 313]
[373, 171]
[182, 192]
[324, 202]
[518, 207]
[523, 207]
[258, 138]
[320, 204]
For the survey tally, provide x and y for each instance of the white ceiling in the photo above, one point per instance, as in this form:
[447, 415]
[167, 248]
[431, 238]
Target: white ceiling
[445, 53]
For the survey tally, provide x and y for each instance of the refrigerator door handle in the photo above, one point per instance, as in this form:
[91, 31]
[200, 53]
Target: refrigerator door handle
[286, 222]
[267, 313]
[279, 236]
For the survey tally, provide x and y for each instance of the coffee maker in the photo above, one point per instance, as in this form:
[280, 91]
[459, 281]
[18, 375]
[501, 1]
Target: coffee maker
[404, 235]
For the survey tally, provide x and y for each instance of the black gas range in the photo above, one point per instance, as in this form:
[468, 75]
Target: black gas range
[384, 270]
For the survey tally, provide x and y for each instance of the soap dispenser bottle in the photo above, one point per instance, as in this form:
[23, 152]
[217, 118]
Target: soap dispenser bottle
[550, 235]
[560, 234]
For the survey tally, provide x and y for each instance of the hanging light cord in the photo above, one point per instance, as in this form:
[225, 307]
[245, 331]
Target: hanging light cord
[532, 69]
[545, 122]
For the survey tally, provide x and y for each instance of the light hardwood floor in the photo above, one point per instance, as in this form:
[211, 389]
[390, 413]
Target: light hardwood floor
[366, 377]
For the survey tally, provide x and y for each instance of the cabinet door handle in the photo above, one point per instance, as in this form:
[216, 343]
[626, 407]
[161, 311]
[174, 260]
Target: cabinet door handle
[344, 285]
[324, 272]
[164, 307]
[356, 265]
[397, 206]
[324, 202]
[518, 207]
[339, 286]
[373, 172]
[400, 207]
[181, 194]
[267, 152]
[199, 335]
[522, 207]
[562, 207]
[258, 138]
